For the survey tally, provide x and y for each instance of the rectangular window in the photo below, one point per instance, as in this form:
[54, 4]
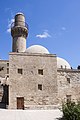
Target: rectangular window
[68, 80]
[7, 70]
[7, 64]
[40, 71]
[1, 68]
[7, 76]
[20, 71]
[39, 86]
[68, 98]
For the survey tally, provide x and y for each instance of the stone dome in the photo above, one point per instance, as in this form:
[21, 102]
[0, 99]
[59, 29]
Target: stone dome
[37, 49]
[62, 63]
[19, 13]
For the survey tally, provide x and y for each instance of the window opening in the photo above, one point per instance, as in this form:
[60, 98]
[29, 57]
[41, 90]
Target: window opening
[40, 71]
[39, 86]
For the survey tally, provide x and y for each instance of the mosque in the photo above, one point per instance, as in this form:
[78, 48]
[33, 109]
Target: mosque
[33, 78]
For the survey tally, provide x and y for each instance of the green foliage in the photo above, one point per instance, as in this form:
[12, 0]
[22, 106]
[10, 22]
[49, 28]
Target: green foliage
[71, 111]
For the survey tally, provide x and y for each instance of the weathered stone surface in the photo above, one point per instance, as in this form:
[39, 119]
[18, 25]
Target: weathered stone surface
[55, 86]
[3, 68]
[26, 84]
[66, 88]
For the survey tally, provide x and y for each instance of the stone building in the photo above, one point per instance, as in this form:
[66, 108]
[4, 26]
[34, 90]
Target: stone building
[33, 78]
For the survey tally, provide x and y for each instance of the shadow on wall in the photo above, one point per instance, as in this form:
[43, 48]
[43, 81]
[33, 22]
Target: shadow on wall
[5, 98]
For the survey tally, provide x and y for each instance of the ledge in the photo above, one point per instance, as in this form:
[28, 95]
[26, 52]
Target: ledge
[68, 70]
[32, 54]
[4, 60]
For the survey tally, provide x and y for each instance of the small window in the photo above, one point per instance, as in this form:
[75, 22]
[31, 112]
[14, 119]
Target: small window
[20, 71]
[7, 64]
[39, 86]
[68, 98]
[40, 71]
[65, 66]
[61, 67]
[7, 70]
[1, 68]
[68, 80]
[7, 76]
[17, 50]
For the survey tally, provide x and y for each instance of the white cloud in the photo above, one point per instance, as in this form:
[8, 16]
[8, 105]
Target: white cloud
[63, 28]
[9, 30]
[44, 35]
[9, 25]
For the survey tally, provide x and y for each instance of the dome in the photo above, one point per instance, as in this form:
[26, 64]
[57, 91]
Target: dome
[19, 13]
[62, 63]
[37, 49]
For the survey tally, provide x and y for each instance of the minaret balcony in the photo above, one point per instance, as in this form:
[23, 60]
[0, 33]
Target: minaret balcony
[19, 24]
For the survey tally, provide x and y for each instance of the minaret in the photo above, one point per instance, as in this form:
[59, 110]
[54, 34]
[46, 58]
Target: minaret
[19, 32]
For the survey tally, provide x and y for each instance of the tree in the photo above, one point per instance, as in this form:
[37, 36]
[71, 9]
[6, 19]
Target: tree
[71, 111]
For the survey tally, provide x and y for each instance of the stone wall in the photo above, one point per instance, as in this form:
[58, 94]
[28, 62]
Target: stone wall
[26, 84]
[56, 84]
[3, 68]
[66, 87]
[4, 73]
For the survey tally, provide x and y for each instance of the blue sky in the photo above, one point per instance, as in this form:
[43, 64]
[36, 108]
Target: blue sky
[54, 24]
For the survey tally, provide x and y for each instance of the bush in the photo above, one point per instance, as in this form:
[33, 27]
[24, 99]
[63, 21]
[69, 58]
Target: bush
[71, 111]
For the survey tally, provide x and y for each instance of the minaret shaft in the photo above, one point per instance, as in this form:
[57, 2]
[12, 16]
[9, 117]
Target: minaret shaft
[19, 32]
